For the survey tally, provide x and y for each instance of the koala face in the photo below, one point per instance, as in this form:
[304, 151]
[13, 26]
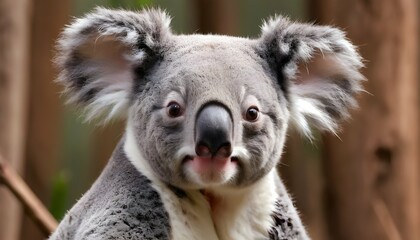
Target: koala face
[210, 75]
[208, 111]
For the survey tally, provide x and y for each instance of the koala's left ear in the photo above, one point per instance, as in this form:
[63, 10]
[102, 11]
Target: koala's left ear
[103, 56]
[317, 68]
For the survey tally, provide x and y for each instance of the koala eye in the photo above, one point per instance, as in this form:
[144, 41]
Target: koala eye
[174, 110]
[252, 114]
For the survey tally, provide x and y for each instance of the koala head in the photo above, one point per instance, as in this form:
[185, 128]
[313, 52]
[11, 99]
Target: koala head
[208, 111]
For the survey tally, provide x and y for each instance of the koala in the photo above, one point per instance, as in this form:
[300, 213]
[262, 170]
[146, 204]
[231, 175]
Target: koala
[206, 120]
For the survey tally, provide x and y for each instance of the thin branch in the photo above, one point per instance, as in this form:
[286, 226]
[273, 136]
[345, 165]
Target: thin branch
[33, 206]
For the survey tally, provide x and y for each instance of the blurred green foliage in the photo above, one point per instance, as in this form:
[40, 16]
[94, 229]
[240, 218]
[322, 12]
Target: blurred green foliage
[59, 196]
[130, 3]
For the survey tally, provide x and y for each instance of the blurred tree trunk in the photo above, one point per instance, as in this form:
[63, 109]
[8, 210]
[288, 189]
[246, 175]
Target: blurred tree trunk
[14, 59]
[217, 16]
[104, 141]
[301, 171]
[372, 174]
[418, 86]
[48, 19]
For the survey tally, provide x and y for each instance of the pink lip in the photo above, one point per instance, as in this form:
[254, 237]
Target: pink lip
[206, 164]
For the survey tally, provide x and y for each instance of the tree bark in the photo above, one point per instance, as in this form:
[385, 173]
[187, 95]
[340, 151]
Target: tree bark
[43, 135]
[217, 16]
[14, 55]
[372, 173]
[104, 141]
[301, 170]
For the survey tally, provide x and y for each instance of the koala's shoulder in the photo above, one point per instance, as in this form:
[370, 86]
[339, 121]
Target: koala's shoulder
[121, 204]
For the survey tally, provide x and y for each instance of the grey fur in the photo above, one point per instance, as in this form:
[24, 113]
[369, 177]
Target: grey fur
[130, 64]
[197, 67]
[129, 40]
[331, 92]
[120, 205]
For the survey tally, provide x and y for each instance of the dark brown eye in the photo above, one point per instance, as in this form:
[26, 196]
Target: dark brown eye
[252, 114]
[174, 110]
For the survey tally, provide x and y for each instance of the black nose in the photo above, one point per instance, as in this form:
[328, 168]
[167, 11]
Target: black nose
[213, 132]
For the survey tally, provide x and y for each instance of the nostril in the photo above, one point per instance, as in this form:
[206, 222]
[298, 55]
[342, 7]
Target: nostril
[225, 150]
[202, 150]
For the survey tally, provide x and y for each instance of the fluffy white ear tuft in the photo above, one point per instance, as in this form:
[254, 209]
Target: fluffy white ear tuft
[103, 55]
[318, 70]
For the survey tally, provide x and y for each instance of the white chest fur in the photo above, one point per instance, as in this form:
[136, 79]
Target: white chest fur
[240, 215]
[244, 214]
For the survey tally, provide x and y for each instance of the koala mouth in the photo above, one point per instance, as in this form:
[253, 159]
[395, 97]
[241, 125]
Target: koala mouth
[216, 163]
[211, 170]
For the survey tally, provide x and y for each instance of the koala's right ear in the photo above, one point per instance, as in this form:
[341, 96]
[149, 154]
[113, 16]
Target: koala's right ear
[317, 69]
[104, 55]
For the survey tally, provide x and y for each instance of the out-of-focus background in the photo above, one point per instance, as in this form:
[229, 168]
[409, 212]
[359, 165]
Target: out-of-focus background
[363, 185]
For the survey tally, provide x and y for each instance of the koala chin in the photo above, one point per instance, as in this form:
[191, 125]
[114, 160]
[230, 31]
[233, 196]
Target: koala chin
[206, 120]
